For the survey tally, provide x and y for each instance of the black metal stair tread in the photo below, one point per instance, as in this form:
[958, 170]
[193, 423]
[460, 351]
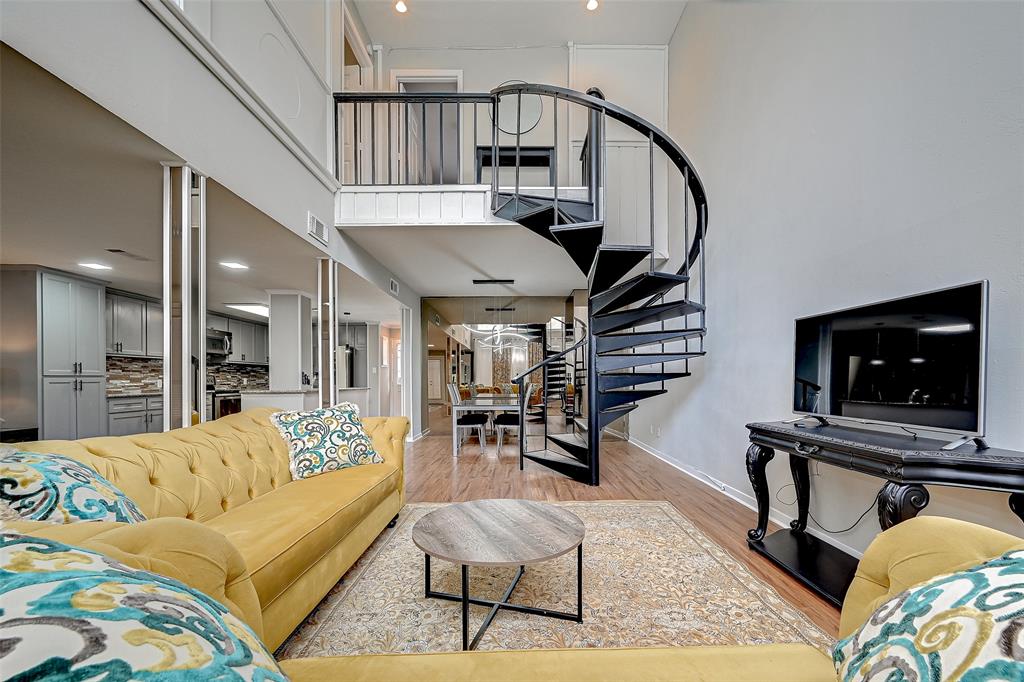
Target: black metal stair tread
[635, 289]
[613, 380]
[580, 241]
[612, 262]
[613, 361]
[638, 317]
[612, 342]
[571, 443]
[564, 465]
[610, 414]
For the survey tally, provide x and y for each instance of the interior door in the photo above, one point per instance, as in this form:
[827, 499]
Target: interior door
[435, 382]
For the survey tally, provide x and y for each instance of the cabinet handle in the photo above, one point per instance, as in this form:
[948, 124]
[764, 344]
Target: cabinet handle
[806, 449]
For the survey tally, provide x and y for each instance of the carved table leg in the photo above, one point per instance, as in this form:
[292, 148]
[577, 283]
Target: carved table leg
[802, 482]
[758, 457]
[898, 502]
[1017, 504]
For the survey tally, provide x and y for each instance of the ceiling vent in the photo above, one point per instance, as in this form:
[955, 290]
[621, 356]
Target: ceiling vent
[315, 228]
[393, 286]
[129, 254]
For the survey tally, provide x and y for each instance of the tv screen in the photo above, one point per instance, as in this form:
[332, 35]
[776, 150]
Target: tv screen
[914, 361]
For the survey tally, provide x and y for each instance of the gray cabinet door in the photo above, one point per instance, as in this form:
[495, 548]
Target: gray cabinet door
[126, 424]
[59, 418]
[155, 329]
[216, 322]
[155, 422]
[260, 342]
[57, 322]
[130, 325]
[241, 341]
[89, 332]
[108, 314]
[91, 407]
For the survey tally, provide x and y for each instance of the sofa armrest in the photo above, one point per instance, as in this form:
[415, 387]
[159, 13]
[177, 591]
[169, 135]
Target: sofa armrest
[388, 436]
[912, 552]
[177, 548]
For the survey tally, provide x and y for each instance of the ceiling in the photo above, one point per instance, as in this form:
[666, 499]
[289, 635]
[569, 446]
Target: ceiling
[365, 301]
[444, 261]
[78, 180]
[473, 310]
[511, 23]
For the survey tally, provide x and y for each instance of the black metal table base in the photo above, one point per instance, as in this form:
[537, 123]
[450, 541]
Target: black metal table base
[504, 603]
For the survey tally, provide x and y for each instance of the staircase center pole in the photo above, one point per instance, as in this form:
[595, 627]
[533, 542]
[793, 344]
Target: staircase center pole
[593, 408]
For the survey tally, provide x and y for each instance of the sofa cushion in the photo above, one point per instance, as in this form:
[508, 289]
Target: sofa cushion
[71, 613]
[325, 440]
[962, 625]
[283, 533]
[57, 489]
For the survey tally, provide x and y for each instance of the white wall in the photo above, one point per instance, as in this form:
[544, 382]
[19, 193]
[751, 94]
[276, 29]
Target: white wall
[851, 152]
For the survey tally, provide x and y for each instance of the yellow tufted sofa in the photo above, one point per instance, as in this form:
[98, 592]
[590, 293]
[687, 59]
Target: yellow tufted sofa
[292, 540]
[907, 554]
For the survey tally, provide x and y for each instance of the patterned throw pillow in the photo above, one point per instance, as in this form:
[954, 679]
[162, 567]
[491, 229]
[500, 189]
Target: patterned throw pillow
[966, 626]
[73, 614]
[58, 489]
[325, 440]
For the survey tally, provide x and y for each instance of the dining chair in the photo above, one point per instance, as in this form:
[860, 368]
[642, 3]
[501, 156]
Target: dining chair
[510, 420]
[467, 421]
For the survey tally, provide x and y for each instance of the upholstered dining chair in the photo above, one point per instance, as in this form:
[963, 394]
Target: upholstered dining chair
[467, 421]
[510, 420]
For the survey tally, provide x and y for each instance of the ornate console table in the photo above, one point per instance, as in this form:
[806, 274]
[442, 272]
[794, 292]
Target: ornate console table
[906, 463]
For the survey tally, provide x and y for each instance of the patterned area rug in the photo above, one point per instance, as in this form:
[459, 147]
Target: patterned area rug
[651, 578]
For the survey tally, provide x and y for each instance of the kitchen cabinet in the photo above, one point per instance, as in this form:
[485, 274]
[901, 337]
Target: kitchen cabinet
[134, 326]
[217, 322]
[154, 329]
[71, 326]
[261, 344]
[73, 407]
[129, 416]
[250, 342]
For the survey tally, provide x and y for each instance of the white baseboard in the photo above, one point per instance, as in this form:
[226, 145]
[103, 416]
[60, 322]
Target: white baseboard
[779, 517]
[418, 436]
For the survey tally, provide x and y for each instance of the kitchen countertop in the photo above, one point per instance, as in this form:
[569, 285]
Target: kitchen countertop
[265, 391]
[137, 394]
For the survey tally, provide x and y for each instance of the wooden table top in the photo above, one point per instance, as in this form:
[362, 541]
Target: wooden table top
[498, 532]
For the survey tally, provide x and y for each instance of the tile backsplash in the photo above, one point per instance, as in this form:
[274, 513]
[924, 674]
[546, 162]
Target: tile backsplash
[224, 375]
[126, 376]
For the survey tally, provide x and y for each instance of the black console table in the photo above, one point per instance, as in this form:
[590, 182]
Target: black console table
[906, 463]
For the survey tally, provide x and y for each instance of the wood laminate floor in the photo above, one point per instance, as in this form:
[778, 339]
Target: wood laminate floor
[627, 473]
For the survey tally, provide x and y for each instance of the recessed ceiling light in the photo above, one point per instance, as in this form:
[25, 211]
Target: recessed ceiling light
[234, 265]
[402, 9]
[917, 361]
[252, 308]
[591, 5]
[430, 345]
[878, 362]
[95, 266]
[949, 329]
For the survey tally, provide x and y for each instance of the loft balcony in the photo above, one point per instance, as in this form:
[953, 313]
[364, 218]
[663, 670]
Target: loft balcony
[438, 159]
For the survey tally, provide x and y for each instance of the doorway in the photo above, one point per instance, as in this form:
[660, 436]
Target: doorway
[435, 380]
[434, 154]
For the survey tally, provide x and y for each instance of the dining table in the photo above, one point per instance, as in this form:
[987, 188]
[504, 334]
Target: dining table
[482, 403]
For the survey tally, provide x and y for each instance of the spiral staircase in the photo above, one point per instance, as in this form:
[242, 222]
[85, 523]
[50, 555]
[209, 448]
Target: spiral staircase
[625, 347]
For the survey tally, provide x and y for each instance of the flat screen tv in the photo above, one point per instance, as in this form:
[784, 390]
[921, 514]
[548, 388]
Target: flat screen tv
[912, 361]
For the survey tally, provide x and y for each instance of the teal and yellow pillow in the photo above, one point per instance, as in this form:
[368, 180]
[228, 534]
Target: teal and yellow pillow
[325, 440]
[58, 489]
[966, 626]
[73, 614]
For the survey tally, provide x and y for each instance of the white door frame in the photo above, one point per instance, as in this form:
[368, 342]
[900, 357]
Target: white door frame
[398, 77]
[408, 349]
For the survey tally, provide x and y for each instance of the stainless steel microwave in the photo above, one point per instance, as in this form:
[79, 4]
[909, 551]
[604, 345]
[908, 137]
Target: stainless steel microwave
[218, 343]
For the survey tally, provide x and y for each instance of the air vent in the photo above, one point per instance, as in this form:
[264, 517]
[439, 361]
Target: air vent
[494, 281]
[436, 319]
[129, 254]
[316, 228]
[394, 287]
[506, 309]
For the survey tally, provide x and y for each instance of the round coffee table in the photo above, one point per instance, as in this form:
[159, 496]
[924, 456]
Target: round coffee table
[499, 533]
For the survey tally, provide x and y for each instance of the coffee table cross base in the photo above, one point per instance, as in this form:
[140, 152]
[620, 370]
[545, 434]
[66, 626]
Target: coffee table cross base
[466, 600]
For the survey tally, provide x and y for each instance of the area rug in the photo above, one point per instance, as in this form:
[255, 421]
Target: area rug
[651, 578]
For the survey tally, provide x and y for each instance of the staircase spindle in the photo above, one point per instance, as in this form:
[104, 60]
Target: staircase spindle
[476, 140]
[554, 158]
[373, 143]
[423, 143]
[650, 144]
[389, 142]
[458, 144]
[519, 134]
[338, 137]
[440, 137]
[495, 166]
[357, 147]
[405, 155]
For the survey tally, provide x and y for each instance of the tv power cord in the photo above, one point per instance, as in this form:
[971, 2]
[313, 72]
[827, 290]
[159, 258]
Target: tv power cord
[817, 523]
